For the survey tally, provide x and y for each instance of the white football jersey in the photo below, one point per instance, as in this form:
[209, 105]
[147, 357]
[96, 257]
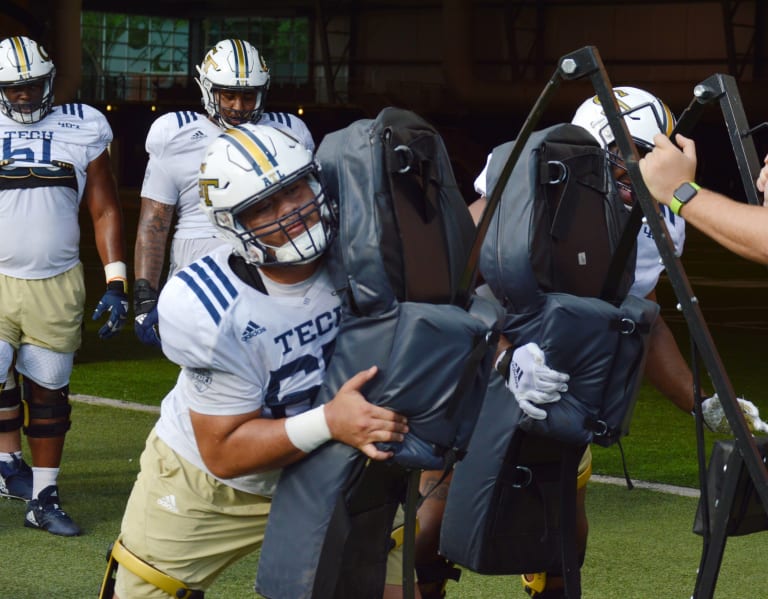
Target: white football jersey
[648, 267]
[42, 179]
[241, 351]
[176, 144]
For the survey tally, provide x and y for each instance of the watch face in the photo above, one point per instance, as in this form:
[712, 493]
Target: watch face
[685, 192]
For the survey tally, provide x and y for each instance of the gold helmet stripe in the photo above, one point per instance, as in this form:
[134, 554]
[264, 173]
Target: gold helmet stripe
[241, 66]
[251, 147]
[669, 120]
[22, 60]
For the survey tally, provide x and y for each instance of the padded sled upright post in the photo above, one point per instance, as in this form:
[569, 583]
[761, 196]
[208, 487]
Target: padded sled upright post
[722, 88]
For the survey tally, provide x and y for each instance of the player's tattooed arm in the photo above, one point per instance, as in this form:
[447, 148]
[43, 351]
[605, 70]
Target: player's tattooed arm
[155, 221]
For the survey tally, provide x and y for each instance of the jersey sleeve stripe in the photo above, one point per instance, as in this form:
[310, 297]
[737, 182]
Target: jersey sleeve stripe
[280, 117]
[210, 284]
[184, 117]
[73, 109]
[210, 263]
[201, 295]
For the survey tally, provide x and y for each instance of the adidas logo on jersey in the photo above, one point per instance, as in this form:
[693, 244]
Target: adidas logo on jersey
[197, 135]
[251, 331]
[169, 503]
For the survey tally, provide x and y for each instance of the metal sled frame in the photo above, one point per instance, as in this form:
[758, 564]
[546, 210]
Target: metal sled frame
[586, 63]
[722, 89]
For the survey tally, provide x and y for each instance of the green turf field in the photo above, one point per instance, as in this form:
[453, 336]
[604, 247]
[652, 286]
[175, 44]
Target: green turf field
[640, 547]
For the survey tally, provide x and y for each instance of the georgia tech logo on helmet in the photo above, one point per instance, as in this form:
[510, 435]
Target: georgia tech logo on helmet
[203, 185]
[209, 63]
[618, 94]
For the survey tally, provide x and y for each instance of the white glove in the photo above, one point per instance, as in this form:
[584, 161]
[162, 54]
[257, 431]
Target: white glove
[531, 380]
[714, 416]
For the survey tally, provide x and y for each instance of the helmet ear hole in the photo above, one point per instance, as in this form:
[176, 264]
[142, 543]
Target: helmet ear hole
[243, 168]
[25, 62]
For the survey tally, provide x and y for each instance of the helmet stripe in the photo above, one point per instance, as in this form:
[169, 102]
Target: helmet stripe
[241, 66]
[669, 120]
[22, 59]
[251, 147]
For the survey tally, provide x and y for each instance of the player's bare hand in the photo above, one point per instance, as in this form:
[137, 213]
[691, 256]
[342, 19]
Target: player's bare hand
[762, 181]
[355, 421]
[666, 167]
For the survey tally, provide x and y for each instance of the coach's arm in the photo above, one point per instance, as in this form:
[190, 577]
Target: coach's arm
[742, 228]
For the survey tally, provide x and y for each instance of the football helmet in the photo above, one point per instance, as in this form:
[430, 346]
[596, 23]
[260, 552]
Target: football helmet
[233, 65]
[22, 62]
[246, 165]
[644, 114]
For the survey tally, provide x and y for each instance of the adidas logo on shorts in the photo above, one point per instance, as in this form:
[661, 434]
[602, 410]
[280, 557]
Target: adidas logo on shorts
[169, 503]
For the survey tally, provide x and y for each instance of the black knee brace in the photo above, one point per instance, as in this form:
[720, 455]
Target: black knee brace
[11, 398]
[50, 405]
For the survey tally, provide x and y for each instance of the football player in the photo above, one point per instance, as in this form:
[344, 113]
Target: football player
[234, 80]
[251, 325]
[646, 117]
[53, 158]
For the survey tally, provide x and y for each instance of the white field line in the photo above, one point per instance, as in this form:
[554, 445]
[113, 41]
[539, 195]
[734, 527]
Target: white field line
[114, 403]
[641, 484]
[598, 478]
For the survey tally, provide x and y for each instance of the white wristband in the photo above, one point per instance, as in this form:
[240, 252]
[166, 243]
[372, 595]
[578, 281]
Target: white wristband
[308, 430]
[116, 270]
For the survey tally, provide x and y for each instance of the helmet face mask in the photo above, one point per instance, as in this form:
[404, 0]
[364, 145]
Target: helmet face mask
[260, 190]
[230, 69]
[26, 80]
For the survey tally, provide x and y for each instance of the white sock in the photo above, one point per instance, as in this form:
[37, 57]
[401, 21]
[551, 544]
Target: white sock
[8, 457]
[43, 478]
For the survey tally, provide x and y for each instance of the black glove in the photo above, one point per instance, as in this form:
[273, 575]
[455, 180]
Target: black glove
[145, 310]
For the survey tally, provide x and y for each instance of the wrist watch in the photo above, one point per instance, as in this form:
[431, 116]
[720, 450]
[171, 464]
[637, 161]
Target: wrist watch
[683, 194]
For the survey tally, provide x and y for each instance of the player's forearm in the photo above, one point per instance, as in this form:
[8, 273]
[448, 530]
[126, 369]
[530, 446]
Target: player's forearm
[257, 445]
[151, 237]
[108, 232]
[666, 368]
[742, 228]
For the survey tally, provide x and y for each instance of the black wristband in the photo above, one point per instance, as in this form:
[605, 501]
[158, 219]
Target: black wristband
[144, 296]
[116, 285]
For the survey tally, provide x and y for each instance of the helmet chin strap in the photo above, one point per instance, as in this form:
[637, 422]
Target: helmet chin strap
[311, 242]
